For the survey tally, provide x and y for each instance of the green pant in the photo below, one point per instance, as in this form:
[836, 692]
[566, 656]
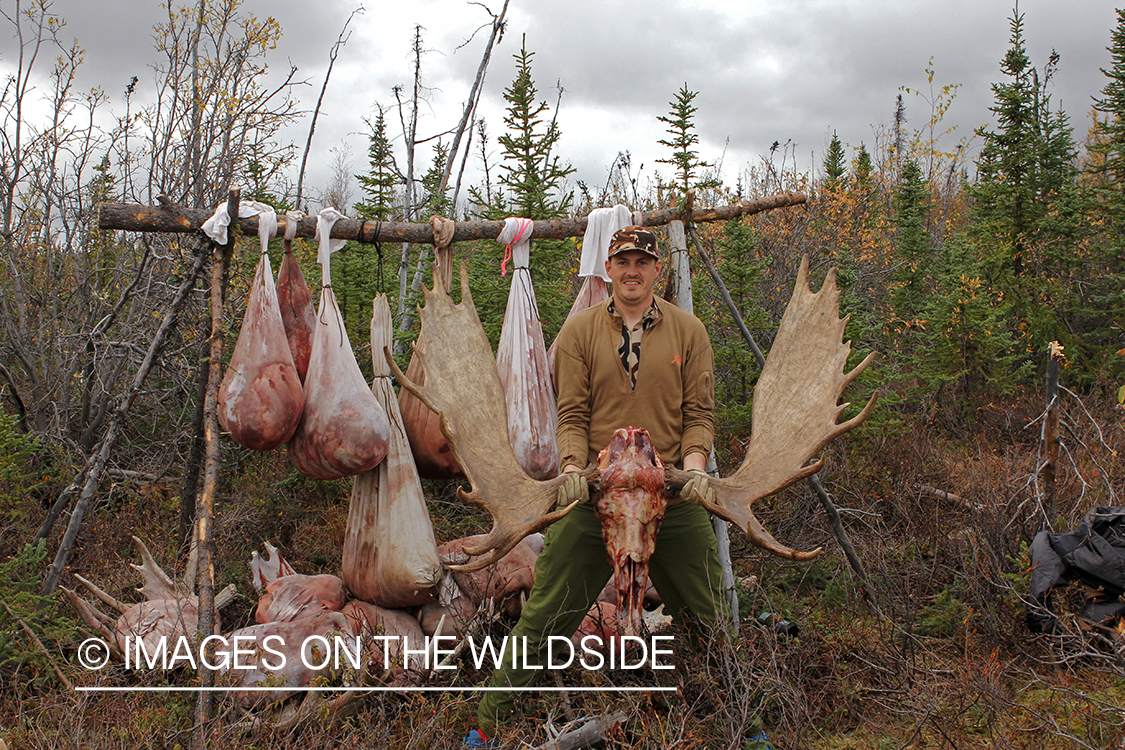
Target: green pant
[573, 569]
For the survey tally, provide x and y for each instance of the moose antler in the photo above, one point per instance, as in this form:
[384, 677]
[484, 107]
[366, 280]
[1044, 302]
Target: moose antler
[463, 388]
[796, 405]
[795, 408]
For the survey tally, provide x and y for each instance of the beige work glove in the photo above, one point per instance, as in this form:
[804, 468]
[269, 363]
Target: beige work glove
[573, 489]
[697, 490]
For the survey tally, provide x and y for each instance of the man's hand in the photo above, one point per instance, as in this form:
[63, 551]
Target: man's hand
[573, 489]
[698, 490]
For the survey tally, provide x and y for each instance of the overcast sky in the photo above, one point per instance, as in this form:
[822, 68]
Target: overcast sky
[785, 70]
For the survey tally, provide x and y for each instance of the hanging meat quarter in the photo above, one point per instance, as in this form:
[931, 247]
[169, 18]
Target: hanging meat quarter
[390, 555]
[295, 300]
[432, 456]
[260, 399]
[344, 430]
[521, 361]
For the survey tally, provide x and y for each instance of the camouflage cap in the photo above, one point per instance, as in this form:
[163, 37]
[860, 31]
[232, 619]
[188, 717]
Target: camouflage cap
[633, 238]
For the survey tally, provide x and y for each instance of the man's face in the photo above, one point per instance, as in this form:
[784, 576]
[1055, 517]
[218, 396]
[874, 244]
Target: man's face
[633, 273]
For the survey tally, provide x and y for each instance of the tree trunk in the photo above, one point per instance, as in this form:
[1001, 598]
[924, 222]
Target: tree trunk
[1051, 438]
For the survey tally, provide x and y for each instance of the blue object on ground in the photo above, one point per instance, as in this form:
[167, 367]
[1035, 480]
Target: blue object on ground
[759, 742]
[477, 740]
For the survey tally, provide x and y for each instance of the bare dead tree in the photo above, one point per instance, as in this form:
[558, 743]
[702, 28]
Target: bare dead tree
[409, 134]
[200, 140]
[497, 34]
[341, 40]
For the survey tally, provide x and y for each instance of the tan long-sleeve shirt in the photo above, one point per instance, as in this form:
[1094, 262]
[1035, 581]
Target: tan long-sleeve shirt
[675, 394]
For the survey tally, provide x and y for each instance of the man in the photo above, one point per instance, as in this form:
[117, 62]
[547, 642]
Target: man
[632, 360]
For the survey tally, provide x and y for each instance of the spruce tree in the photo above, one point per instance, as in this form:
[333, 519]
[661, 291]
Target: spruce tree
[682, 140]
[970, 351]
[911, 240]
[531, 175]
[358, 270]
[1105, 205]
[433, 201]
[380, 183]
[532, 183]
[1025, 164]
[1109, 131]
[1025, 209]
[835, 163]
[741, 266]
[863, 168]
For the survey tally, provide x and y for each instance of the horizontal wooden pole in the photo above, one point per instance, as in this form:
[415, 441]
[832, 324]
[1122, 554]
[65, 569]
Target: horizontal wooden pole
[172, 218]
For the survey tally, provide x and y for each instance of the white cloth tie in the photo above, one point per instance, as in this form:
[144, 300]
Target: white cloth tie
[216, 226]
[324, 221]
[600, 226]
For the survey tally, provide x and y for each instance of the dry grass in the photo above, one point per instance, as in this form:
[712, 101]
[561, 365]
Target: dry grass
[942, 660]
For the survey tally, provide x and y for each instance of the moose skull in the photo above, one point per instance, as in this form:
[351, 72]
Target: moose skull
[630, 509]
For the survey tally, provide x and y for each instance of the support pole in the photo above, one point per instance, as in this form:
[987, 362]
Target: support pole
[681, 272]
[814, 481]
[205, 510]
[1050, 439]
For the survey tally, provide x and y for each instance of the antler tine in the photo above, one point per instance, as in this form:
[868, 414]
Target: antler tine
[502, 539]
[157, 584]
[94, 618]
[102, 595]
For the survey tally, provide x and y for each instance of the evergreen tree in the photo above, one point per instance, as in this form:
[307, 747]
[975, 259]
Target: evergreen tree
[741, 267]
[683, 140]
[436, 202]
[533, 177]
[971, 352]
[532, 182]
[863, 168]
[358, 270]
[898, 144]
[1106, 207]
[1109, 132]
[1025, 164]
[1025, 205]
[911, 240]
[380, 183]
[835, 163]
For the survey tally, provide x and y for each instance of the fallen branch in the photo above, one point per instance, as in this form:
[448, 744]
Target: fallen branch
[587, 734]
[35, 639]
[141, 476]
[925, 489]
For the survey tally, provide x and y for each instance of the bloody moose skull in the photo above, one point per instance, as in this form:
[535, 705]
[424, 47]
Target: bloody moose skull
[630, 509]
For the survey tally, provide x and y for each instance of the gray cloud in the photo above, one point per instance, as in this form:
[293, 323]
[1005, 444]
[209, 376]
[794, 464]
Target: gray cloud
[786, 70]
